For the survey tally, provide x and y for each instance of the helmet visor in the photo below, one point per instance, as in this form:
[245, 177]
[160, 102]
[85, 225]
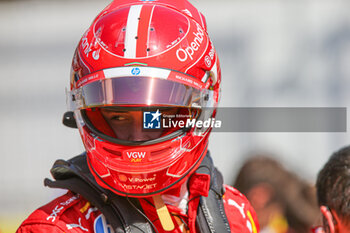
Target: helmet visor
[125, 102]
[138, 91]
[138, 124]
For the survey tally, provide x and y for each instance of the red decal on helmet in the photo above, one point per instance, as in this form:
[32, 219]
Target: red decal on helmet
[90, 78]
[185, 79]
[144, 30]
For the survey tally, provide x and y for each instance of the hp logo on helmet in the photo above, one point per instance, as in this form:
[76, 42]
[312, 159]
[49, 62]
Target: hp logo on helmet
[135, 71]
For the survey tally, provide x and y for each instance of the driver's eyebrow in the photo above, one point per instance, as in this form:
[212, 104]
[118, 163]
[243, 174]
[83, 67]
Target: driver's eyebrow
[116, 110]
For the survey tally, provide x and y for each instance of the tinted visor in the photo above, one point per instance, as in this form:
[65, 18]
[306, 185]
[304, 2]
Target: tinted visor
[139, 108]
[144, 91]
[139, 124]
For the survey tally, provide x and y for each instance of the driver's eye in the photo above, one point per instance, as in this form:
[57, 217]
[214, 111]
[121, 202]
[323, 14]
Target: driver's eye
[118, 118]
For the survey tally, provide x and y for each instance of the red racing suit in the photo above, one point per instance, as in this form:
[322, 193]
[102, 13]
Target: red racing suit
[72, 213]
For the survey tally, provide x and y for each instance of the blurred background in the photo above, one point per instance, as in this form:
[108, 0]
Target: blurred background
[274, 53]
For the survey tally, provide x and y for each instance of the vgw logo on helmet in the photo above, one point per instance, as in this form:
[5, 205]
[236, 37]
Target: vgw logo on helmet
[151, 120]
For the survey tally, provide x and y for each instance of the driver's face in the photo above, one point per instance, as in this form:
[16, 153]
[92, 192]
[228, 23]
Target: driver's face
[127, 125]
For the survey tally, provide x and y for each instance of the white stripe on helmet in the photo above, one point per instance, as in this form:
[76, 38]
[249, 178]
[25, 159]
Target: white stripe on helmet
[132, 26]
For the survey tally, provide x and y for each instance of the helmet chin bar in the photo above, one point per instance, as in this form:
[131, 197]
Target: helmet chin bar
[186, 175]
[170, 136]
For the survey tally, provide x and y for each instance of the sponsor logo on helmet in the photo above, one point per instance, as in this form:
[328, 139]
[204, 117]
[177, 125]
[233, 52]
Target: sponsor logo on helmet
[135, 71]
[138, 187]
[88, 47]
[136, 156]
[141, 180]
[85, 45]
[151, 120]
[123, 178]
[212, 52]
[96, 54]
[188, 52]
[207, 61]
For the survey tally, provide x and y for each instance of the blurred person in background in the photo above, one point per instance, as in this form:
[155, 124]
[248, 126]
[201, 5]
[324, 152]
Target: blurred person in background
[284, 203]
[333, 193]
[140, 61]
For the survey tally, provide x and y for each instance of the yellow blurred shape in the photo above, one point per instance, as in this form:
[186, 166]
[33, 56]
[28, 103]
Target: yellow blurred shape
[10, 223]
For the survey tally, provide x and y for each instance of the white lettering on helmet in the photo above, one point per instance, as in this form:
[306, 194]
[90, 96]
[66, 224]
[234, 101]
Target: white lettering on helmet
[184, 54]
[138, 187]
[135, 155]
[141, 180]
[86, 46]
[184, 57]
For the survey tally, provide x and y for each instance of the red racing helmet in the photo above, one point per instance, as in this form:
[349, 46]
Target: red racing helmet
[138, 62]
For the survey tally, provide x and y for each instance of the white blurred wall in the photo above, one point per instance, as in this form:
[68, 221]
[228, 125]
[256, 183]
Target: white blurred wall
[273, 53]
